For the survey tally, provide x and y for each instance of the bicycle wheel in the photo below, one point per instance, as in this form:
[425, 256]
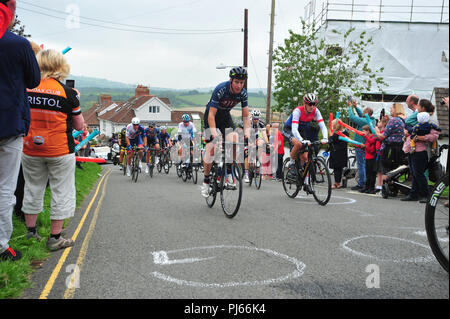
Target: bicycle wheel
[194, 173]
[184, 174]
[213, 187]
[135, 173]
[320, 181]
[124, 164]
[437, 221]
[159, 166]
[328, 164]
[250, 175]
[290, 185]
[166, 164]
[257, 174]
[231, 191]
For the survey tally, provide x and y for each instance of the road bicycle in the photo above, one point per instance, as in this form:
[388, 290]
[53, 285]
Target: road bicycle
[151, 161]
[226, 180]
[437, 221]
[163, 162]
[135, 164]
[255, 171]
[319, 182]
[124, 160]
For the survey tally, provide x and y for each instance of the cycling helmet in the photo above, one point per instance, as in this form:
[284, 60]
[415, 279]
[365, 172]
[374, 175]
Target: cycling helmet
[163, 127]
[310, 99]
[241, 124]
[256, 113]
[238, 73]
[151, 123]
[135, 120]
[123, 130]
[185, 118]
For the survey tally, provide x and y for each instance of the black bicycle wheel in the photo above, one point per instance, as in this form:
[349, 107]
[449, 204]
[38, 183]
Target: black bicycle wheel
[231, 191]
[290, 185]
[213, 187]
[166, 164]
[195, 173]
[328, 165]
[135, 169]
[437, 221]
[178, 168]
[184, 174]
[257, 174]
[124, 165]
[320, 181]
[159, 166]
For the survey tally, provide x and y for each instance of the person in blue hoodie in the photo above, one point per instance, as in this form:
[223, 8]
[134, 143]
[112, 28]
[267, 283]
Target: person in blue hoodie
[360, 120]
[19, 70]
[7, 9]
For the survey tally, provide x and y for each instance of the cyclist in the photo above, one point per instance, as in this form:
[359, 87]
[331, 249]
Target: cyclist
[135, 137]
[186, 130]
[164, 138]
[122, 143]
[217, 116]
[300, 120]
[259, 129]
[151, 133]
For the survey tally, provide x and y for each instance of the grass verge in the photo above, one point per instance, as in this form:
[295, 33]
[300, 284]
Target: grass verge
[15, 276]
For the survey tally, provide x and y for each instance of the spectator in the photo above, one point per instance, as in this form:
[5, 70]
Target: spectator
[412, 102]
[370, 154]
[418, 160]
[391, 154]
[381, 127]
[18, 71]
[49, 148]
[360, 120]
[279, 148]
[338, 153]
[7, 13]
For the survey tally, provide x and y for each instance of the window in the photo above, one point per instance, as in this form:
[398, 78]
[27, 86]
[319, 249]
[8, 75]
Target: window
[153, 109]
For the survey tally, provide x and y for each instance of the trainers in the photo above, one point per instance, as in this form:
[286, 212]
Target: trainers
[205, 190]
[61, 243]
[11, 255]
[356, 188]
[231, 184]
[307, 188]
[34, 235]
[246, 178]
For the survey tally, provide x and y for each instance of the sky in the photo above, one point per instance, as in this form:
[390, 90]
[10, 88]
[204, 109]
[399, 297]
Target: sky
[168, 51]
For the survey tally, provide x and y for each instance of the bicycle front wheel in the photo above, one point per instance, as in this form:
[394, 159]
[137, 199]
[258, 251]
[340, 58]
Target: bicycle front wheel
[289, 180]
[257, 174]
[211, 199]
[195, 173]
[231, 190]
[437, 221]
[320, 181]
[135, 174]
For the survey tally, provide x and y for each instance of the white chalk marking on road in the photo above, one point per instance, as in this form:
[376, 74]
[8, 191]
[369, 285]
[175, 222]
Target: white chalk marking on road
[423, 233]
[349, 200]
[362, 214]
[409, 260]
[161, 258]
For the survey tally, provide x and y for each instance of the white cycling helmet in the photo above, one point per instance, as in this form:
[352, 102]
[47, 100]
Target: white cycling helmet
[256, 113]
[135, 120]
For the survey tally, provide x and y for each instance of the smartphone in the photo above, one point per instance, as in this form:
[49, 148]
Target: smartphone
[70, 83]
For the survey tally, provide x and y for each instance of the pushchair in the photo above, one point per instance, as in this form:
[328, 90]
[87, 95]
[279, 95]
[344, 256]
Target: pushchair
[397, 178]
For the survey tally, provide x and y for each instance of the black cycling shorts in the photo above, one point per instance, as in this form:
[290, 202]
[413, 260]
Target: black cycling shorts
[223, 121]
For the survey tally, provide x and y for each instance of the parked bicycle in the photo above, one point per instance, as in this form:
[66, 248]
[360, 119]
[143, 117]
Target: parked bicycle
[319, 181]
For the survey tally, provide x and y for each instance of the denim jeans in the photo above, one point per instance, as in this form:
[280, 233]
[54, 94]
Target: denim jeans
[418, 166]
[361, 164]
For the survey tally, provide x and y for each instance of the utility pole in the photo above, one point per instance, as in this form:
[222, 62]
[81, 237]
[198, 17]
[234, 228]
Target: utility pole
[269, 75]
[246, 41]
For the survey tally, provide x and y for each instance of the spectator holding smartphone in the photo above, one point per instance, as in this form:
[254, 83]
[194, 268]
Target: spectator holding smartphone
[18, 70]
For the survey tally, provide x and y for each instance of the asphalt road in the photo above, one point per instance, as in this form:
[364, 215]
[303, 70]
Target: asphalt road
[158, 239]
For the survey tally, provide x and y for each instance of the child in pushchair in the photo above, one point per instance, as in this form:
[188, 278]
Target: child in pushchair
[395, 181]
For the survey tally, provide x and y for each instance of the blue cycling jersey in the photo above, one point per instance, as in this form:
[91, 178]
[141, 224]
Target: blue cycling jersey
[164, 137]
[223, 100]
[151, 134]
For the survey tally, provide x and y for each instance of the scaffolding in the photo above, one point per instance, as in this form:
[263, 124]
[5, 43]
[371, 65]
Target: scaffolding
[377, 11]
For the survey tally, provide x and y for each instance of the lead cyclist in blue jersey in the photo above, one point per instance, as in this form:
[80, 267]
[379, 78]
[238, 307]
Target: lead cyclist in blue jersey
[217, 116]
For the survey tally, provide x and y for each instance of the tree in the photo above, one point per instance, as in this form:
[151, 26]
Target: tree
[19, 29]
[307, 64]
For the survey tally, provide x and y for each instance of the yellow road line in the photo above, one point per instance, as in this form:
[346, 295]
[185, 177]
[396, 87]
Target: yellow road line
[48, 287]
[69, 293]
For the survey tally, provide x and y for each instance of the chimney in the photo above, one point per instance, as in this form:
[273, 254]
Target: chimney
[142, 91]
[105, 98]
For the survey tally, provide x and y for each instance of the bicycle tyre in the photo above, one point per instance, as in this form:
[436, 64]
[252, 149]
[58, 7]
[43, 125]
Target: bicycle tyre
[231, 211]
[159, 167]
[124, 164]
[184, 174]
[257, 174]
[430, 222]
[211, 199]
[195, 174]
[166, 165]
[178, 169]
[319, 164]
[290, 188]
[135, 169]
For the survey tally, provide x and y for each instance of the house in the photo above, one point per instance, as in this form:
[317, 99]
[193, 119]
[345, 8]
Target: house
[111, 116]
